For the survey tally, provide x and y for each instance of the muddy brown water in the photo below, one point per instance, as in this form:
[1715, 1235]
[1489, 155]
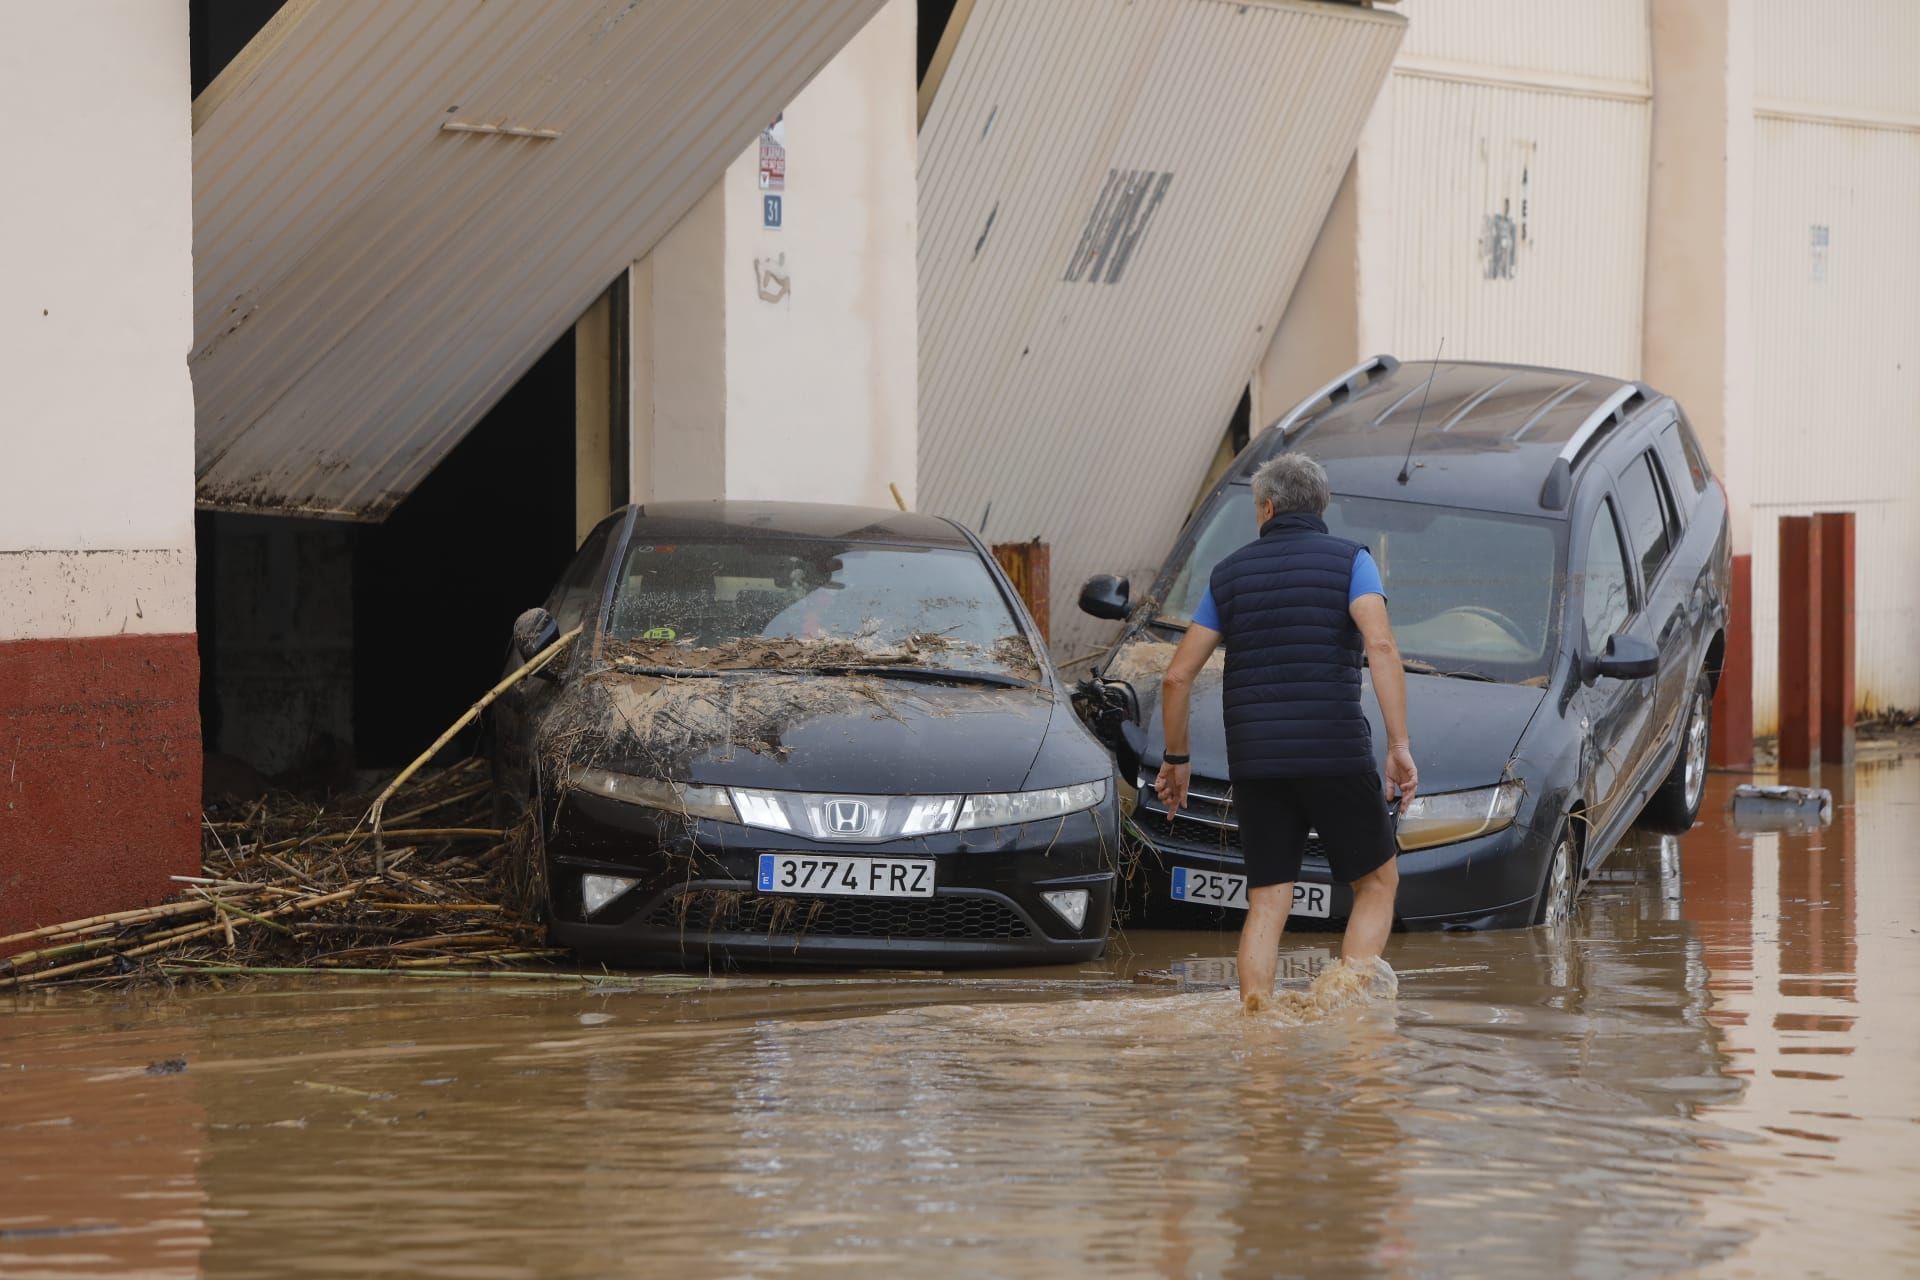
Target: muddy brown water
[1716, 1068]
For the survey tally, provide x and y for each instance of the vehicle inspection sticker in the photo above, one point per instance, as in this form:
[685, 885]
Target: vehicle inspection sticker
[846, 877]
[1221, 889]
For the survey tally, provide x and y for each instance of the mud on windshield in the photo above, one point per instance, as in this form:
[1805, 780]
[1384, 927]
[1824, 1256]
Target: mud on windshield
[1468, 591]
[785, 603]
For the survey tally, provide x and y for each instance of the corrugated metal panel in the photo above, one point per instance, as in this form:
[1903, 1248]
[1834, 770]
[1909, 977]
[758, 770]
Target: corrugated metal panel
[1081, 397]
[1596, 39]
[1836, 334]
[1519, 220]
[1856, 55]
[368, 284]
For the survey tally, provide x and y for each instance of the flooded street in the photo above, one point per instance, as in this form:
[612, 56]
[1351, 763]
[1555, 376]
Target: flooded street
[1715, 1069]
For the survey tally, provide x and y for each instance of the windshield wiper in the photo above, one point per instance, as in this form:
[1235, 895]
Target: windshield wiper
[920, 673]
[1419, 668]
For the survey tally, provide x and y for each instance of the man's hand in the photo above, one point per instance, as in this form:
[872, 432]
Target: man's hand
[1171, 785]
[1402, 779]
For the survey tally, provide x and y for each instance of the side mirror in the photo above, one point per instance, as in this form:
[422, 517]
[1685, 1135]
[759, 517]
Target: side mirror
[533, 631]
[1104, 596]
[1627, 658]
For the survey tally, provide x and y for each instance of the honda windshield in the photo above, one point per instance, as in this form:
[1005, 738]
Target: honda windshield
[806, 603]
[1468, 591]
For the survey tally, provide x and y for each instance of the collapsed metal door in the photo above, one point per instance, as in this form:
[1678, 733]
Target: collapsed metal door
[398, 207]
[1115, 202]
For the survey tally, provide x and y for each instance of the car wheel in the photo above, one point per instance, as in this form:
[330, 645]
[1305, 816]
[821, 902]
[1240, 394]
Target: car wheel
[1676, 804]
[1562, 884]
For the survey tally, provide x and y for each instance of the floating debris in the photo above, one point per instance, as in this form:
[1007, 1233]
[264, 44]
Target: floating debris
[1759, 808]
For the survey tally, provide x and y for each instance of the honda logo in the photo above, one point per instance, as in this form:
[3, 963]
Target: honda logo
[847, 817]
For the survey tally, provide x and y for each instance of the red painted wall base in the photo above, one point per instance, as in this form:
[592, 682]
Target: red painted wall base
[99, 775]
[1732, 745]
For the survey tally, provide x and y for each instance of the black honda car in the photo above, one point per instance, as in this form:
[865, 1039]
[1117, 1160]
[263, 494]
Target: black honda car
[1555, 554]
[792, 732]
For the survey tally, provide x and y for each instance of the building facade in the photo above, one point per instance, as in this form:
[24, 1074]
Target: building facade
[99, 727]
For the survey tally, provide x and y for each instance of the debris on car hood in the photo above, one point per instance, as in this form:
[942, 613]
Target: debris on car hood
[745, 708]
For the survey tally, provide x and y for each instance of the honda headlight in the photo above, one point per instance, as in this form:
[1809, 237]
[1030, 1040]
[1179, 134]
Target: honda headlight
[1010, 807]
[1458, 815]
[655, 793]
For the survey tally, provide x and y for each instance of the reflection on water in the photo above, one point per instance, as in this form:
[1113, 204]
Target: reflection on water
[1713, 1068]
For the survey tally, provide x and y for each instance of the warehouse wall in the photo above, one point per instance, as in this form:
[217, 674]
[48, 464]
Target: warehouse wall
[99, 735]
[1499, 200]
[781, 362]
[1836, 341]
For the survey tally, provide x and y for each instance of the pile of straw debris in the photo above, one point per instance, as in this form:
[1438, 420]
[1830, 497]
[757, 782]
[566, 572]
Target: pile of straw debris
[291, 885]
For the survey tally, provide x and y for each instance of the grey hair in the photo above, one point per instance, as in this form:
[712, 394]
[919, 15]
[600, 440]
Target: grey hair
[1292, 482]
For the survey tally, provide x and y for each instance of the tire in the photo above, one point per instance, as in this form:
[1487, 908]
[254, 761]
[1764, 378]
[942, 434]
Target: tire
[1560, 888]
[1676, 804]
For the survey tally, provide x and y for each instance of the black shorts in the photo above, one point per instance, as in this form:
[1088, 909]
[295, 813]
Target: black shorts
[1349, 814]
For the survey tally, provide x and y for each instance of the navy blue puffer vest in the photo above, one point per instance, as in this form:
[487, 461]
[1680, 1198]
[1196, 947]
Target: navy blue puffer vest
[1292, 691]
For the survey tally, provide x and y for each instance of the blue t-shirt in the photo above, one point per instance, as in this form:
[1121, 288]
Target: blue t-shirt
[1365, 582]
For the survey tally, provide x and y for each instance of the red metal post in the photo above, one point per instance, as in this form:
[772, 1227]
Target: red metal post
[1835, 529]
[1799, 665]
[1030, 566]
[1732, 744]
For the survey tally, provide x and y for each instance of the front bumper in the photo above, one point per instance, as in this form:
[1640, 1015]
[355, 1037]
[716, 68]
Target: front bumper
[1489, 882]
[696, 901]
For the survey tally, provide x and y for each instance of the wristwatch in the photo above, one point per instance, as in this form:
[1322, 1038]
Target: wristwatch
[1170, 758]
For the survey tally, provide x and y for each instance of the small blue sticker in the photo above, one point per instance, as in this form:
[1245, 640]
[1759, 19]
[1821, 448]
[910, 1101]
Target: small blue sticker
[766, 872]
[771, 203]
[1180, 882]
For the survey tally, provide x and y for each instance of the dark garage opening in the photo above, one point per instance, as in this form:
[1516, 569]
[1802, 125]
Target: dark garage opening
[438, 584]
[218, 30]
[932, 18]
[328, 646]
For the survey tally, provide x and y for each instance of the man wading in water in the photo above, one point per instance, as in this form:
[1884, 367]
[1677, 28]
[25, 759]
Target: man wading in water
[1297, 609]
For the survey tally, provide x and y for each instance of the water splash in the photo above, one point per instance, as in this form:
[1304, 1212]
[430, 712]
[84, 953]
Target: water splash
[1340, 985]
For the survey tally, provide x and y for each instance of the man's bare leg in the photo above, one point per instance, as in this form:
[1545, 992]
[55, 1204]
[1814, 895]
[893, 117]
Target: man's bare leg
[1372, 918]
[1267, 908]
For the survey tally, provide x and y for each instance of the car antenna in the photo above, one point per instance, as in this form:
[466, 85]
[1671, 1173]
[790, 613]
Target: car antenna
[1415, 435]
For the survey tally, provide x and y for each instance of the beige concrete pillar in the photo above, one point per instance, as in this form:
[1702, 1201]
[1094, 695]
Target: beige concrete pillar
[593, 426]
[779, 361]
[1697, 343]
[679, 334]
[1319, 332]
[1341, 309]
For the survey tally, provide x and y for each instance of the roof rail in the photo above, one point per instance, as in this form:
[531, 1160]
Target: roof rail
[1341, 388]
[1612, 411]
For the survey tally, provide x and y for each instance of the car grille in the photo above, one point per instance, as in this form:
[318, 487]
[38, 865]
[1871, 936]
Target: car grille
[1187, 830]
[1202, 835]
[733, 911]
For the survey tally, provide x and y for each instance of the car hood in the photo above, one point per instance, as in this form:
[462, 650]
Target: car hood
[863, 734]
[1464, 731]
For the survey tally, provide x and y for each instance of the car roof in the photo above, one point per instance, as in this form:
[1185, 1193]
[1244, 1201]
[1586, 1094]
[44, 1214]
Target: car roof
[1489, 434]
[721, 518]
